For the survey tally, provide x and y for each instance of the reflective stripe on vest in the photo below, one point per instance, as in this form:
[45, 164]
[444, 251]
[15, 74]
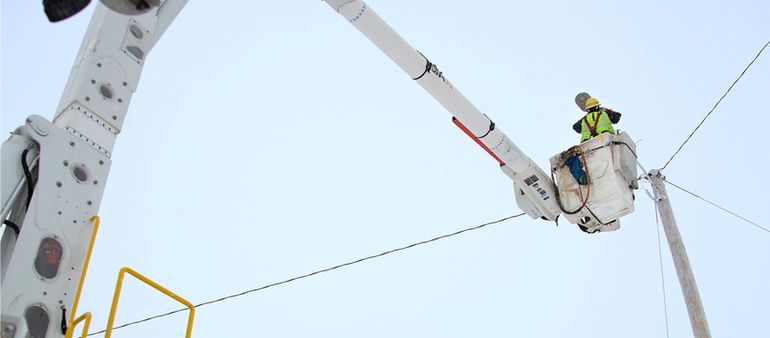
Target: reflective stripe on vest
[603, 125]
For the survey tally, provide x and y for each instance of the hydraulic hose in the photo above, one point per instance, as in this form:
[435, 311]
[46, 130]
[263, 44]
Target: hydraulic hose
[28, 175]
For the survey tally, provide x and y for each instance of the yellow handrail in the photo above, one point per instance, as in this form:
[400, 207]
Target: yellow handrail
[73, 321]
[71, 327]
[119, 285]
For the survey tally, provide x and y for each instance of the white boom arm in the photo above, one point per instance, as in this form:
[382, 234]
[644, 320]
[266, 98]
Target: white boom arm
[534, 190]
[45, 256]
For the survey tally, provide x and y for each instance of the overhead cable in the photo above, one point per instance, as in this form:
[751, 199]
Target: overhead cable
[384, 253]
[716, 205]
[715, 105]
[662, 277]
[660, 257]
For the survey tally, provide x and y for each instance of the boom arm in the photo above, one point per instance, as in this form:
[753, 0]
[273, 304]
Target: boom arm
[534, 190]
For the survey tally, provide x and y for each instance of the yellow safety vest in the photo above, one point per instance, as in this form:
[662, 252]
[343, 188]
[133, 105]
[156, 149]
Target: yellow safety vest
[590, 123]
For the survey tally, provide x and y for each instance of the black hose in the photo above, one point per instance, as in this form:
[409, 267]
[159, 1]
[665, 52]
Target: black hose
[63, 324]
[558, 199]
[597, 218]
[588, 192]
[13, 226]
[627, 146]
[30, 190]
[28, 175]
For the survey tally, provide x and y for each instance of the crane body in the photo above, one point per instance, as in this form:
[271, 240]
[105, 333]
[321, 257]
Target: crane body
[51, 198]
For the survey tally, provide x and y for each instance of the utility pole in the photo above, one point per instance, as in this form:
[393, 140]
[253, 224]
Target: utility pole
[700, 327]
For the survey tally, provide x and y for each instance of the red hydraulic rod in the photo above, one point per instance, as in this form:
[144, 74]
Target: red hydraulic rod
[476, 139]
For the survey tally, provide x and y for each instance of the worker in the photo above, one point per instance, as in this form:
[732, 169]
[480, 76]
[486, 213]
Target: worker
[597, 120]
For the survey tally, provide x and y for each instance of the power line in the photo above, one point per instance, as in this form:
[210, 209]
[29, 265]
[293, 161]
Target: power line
[384, 253]
[662, 277]
[660, 256]
[715, 105]
[716, 205]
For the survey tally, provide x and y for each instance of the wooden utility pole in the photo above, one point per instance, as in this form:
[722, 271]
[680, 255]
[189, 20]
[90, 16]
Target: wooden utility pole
[700, 326]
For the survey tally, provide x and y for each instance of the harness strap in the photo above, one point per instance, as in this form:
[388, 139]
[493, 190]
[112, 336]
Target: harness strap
[591, 128]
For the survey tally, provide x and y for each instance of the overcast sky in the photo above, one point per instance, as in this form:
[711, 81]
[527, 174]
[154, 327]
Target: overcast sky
[269, 139]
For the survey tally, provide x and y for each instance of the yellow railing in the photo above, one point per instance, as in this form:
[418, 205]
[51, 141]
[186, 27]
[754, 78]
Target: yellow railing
[87, 316]
[73, 324]
[156, 286]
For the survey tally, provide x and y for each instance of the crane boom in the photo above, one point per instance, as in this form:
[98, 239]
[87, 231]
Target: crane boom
[534, 190]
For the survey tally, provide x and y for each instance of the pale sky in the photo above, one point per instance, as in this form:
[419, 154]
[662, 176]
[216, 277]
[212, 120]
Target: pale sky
[271, 139]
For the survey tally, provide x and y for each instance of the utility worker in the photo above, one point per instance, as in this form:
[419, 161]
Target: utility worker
[596, 121]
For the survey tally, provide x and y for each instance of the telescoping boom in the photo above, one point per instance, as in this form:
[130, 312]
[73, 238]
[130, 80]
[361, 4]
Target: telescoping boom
[535, 193]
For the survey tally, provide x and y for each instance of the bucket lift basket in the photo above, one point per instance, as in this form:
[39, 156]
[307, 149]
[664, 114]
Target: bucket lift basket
[610, 163]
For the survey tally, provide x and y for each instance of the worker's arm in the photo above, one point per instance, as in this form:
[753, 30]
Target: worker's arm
[613, 115]
[576, 127]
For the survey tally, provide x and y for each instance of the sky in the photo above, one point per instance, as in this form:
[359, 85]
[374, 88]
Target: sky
[267, 140]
